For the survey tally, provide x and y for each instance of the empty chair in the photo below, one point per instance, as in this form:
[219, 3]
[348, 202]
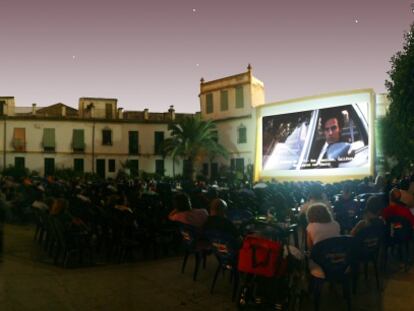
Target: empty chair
[226, 249]
[194, 244]
[239, 216]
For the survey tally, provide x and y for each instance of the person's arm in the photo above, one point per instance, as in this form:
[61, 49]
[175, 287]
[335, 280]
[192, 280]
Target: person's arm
[409, 215]
[309, 240]
[407, 198]
[357, 227]
[172, 215]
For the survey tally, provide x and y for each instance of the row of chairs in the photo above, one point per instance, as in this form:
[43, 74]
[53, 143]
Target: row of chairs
[110, 236]
[226, 250]
[339, 257]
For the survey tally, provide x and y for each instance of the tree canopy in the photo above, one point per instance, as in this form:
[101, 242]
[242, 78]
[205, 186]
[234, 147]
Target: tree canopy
[193, 139]
[398, 124]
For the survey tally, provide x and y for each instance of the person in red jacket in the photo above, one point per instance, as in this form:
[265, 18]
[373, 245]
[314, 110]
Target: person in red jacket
[395, 208]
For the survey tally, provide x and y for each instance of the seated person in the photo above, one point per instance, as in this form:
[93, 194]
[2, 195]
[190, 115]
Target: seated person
[346, 209]
[335, 150]
[321, 227]
[371, 215]
[316, 194]
[396, 207]
[183, 212]
[218, 221]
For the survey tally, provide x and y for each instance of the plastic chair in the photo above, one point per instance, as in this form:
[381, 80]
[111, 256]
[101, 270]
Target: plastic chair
[398, 234]
[226, 250]
[239, 216]
[195, 244]
[69, 242]
[335, 256]
[369, 241]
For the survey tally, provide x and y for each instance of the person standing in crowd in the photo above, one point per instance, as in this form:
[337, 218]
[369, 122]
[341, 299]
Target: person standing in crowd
[184, 213]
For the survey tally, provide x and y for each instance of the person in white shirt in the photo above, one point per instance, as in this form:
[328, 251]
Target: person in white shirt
[321, 226]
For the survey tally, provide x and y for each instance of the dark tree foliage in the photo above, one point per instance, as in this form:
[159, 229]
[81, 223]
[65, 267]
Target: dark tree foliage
[193, 139]
[398, 124]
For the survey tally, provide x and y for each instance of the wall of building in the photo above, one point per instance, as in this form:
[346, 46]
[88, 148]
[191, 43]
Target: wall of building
[64, 155]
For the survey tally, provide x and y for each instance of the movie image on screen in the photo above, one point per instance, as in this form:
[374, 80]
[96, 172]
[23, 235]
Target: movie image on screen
[317, 139]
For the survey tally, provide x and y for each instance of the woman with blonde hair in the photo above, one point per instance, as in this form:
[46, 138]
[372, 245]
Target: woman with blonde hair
[321, 226]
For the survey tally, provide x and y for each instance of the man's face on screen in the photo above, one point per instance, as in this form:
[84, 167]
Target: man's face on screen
[332, 131]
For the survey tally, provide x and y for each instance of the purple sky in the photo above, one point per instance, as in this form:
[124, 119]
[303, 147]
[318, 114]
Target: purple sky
[152, 54]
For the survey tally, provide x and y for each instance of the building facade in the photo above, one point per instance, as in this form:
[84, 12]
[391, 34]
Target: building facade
[99, 137]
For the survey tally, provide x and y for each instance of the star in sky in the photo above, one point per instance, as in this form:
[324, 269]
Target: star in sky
[194, 10]
[356, 21]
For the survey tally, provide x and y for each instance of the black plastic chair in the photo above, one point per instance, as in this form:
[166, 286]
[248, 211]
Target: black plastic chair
[369, 241]
[194, 244]
[399, 232]
[239, 216]
[335, 256]
[69, 241]
[226, 250]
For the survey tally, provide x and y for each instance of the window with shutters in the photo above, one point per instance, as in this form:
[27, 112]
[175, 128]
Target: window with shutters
[78, 140]
[106, 137]
[224, 100]
[133, 142]
[209, 103]
[19, 139]
[49, 142]
[239, 97]
[241, 134]
[158, 140]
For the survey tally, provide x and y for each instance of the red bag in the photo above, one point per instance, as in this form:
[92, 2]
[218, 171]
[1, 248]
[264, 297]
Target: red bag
[261, 257]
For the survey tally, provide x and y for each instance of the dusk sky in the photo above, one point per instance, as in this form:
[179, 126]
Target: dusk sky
[152, 54]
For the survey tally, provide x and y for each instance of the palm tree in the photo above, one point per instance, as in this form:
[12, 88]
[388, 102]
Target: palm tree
[193, 139]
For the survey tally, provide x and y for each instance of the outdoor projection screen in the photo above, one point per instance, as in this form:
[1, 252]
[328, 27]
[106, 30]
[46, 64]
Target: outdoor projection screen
[325, 138]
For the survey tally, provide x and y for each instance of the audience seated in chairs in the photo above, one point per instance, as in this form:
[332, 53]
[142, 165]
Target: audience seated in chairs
[321, 226]
[345, 209]
[396, 208]
[400, 223]
[184, 213]
[225, 240]
[369, 234]
[371, 215]
[191, 222]
[217, 221]
[336, 257]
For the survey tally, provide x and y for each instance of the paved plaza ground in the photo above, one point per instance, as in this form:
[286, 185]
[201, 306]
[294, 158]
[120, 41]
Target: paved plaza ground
[29, 281]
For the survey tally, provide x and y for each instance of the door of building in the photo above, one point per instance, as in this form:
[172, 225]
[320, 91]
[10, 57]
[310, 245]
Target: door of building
[100, 167]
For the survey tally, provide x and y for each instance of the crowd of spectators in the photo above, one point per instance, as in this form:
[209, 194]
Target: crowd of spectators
[95, 205]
